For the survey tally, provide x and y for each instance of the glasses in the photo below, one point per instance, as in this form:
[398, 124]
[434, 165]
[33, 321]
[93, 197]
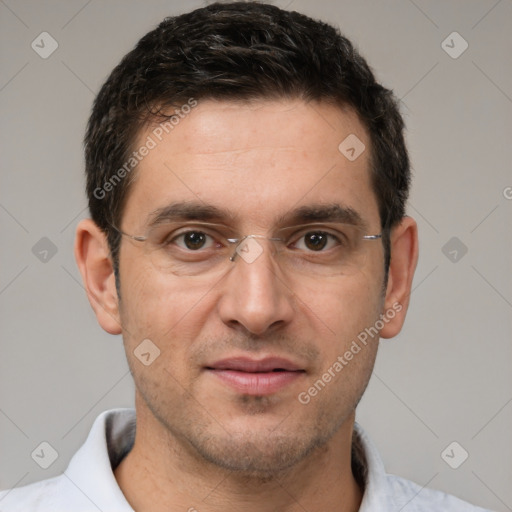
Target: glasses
[209, 249]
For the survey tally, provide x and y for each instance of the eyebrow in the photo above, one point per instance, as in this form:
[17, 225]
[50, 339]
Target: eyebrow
[186, 211]
[331, 212]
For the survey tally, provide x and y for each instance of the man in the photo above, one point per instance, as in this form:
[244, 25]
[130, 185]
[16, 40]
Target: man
[247, 180]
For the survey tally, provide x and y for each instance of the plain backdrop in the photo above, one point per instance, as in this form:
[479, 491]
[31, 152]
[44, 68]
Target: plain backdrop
[447, 377]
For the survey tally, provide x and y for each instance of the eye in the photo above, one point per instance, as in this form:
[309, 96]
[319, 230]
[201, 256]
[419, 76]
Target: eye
[193, 240]
[316, 241]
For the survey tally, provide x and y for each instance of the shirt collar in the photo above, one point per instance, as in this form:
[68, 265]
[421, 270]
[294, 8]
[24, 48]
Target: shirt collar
[91, 468]
[377, 493]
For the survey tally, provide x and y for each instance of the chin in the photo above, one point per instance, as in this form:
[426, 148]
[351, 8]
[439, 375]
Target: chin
[255, 458]
[259, 453]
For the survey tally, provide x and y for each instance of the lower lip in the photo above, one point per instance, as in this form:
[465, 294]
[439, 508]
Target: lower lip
[263, 383]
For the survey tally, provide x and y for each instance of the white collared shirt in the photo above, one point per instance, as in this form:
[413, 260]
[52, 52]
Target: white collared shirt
[89, 484]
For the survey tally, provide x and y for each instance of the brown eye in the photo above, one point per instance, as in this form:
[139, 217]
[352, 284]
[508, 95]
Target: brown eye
[193, 240]
[316, 241]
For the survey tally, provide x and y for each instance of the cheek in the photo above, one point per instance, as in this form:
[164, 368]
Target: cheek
[338, 318]
[154, 306]
[172, 319]
[341, 308]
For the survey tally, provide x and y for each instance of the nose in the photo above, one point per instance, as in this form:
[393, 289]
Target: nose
[255, 295]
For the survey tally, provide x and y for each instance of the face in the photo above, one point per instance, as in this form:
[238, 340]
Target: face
[239, 349]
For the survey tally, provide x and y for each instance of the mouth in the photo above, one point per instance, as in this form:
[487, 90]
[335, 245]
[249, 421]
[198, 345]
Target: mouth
[256, 377]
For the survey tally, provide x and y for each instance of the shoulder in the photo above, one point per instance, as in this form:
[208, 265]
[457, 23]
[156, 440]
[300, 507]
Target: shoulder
[89, 482]
[411, 497]
[54, 494]
[388, 492]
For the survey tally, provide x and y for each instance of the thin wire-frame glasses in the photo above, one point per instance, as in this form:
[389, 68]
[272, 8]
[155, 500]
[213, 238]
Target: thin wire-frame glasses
[197, 248]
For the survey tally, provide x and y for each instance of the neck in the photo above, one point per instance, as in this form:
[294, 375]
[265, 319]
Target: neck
[162, 473]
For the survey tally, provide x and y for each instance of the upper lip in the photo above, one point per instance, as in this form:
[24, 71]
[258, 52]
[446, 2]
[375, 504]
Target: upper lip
[249, 365]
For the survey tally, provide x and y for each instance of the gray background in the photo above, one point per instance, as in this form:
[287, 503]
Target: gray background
[447, 377]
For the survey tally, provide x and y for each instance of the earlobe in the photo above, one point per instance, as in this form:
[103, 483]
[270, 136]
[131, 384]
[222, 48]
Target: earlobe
[93, 259]
[404, 257]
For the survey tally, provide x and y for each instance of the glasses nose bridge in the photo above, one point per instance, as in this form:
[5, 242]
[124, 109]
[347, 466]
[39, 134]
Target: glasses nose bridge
[250, 247]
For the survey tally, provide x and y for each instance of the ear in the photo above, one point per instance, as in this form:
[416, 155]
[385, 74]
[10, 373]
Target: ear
[404, 256]
[93, 258]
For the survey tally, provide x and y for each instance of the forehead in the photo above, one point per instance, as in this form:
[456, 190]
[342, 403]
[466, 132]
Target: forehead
[257, 160]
